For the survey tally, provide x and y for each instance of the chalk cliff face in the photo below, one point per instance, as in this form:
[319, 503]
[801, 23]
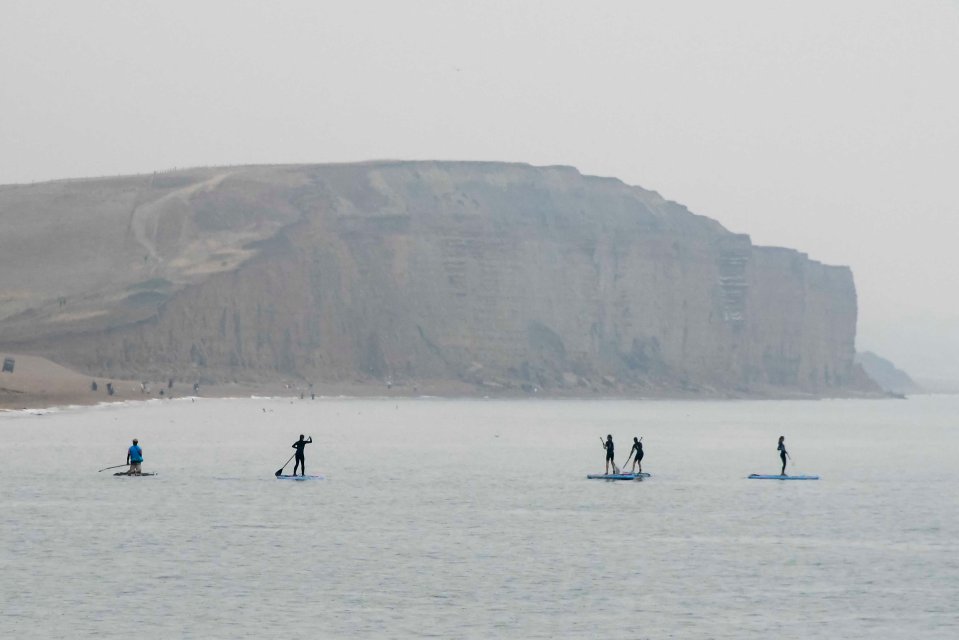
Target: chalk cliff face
[499, 275]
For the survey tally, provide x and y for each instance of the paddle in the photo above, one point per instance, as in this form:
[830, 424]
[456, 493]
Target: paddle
[280, 470]
[116, 467]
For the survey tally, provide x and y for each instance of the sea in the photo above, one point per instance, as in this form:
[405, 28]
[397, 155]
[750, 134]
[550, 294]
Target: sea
[439, 518]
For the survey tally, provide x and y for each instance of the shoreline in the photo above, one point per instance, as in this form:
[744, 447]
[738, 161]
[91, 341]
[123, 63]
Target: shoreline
[21, 402]
[38, 383]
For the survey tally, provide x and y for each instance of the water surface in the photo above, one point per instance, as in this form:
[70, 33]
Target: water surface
[473, 519]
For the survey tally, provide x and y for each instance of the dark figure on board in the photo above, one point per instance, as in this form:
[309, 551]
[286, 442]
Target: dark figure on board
[134, 458]
[637, 454]
[300, 463]
[782, 453]
[608, 445]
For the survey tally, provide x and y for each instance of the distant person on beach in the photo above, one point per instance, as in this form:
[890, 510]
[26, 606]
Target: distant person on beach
[300, 463]
[610, 452]
[134, 458]
[782, 453]
[637, 454]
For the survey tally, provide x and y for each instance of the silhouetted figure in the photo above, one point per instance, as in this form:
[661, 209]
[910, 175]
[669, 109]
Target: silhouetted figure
[637, 454]
[782, 454]
[610, 453]
[300, 461]
[110, 389]
[93, 385]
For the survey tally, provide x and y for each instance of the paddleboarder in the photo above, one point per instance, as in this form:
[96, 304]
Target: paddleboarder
[782, 453]
[608, 445]
[134, 458]
[637, 454]
[300, 463]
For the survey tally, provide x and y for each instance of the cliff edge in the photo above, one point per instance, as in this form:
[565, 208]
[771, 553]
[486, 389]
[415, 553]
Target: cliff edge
[492, 275]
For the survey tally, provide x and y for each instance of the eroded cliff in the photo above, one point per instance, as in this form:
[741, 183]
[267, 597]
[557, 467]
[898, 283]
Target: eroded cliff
[499, 275]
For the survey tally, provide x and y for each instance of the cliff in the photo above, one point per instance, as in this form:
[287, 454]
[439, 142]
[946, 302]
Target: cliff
[489, 274]
[887, 375]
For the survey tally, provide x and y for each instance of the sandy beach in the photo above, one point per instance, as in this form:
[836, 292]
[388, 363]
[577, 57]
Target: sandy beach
[38, 383]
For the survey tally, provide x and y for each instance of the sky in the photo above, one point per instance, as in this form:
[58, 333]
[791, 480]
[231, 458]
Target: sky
[829, 127]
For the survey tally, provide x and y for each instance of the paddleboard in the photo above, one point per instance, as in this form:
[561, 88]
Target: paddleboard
[617, 476]
[759, 476]
[127, 475]
[298, 478]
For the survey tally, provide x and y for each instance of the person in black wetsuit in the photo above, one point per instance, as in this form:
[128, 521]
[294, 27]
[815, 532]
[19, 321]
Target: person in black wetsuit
[638, 451]
[782, 454]
[608, 445]
[300, 463]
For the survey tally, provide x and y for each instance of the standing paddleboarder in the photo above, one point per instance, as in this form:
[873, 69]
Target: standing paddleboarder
[782, 453]
[608, 445]
[636, 451]
[300, 463]
[134, 458]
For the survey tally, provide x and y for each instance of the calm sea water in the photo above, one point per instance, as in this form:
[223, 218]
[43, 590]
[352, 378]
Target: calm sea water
[473, 519]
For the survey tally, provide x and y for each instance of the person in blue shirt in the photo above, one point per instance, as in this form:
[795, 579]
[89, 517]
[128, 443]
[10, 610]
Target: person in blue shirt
[134, 458]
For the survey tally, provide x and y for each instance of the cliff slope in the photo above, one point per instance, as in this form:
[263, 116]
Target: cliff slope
[887, 375]
[498, 275]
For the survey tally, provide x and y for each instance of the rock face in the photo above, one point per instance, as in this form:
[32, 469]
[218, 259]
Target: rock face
[500, 275]
[888, 376]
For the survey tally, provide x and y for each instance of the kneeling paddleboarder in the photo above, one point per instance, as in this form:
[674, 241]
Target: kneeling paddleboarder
[134, 458]
[300, 463]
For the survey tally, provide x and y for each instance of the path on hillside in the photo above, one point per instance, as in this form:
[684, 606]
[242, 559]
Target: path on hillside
[144, 220]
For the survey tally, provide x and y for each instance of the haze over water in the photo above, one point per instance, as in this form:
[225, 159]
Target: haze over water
[471, 518]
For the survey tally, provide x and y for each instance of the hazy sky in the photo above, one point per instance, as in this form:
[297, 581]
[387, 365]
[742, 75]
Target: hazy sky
[830, 127]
